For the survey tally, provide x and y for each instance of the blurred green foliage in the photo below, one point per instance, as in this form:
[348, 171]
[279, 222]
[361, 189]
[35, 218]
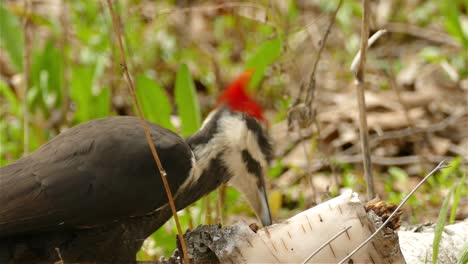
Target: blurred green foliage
[76, 77]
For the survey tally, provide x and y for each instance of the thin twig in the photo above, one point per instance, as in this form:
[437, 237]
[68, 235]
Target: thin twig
[64, 50]
[325, 244]
[408, 132]
[423, 33]
[360, 87]
[27, 72]
[305, 113]
[417, 141]
[439, 166]
[208, 219]
[131, 88]
[208, 8]
[370, 42]
[59, 255]
[220, 203]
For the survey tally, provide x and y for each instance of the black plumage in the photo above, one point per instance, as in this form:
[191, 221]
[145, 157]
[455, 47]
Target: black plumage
[91, 174]
[94, 191]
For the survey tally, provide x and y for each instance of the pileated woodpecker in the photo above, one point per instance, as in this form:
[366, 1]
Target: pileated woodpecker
[94, 192]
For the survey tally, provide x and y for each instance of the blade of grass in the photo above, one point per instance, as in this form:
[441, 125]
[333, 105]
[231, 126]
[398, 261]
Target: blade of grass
[187, 102]
[11, 99]
[101, 103]
[10, 41]
[456, 199]
[266, 54]
[154, 101]
[464, 254]
[453, 23]
[81, 85]
[439, 228]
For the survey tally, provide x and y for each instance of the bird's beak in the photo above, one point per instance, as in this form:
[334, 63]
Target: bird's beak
[255, 193]
[264, 212]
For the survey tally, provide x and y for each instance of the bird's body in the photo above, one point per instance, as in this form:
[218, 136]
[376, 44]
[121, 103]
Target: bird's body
[94, 191]
[93, 194]
[93, 173]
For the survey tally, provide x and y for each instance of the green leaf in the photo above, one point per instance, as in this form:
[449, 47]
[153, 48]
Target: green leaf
[452, 21]
[439, 228]
[456, 199]
[399, 174]
[12, 101]
[453, 165]
[464, 254]
[81, 91]
[187, 102]
[47, 74]
[101, 103]
[11, 37]
[266, 55]
[154, 101]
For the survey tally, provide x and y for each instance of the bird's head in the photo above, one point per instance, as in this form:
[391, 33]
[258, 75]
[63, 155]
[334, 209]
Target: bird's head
[234, 138]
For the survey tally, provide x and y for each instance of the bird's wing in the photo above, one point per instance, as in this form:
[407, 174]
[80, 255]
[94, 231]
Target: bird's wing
[90, 175]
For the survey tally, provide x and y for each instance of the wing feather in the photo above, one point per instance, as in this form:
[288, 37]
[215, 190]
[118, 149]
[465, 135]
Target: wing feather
[92, 174]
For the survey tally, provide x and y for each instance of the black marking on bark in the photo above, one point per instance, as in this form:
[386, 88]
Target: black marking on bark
[274, 247]
[284, 244]
[277, 260]
[320, 217]
[350, 261]
[289, 234]
[252, 165]
[347, 234]
[333, 251]
[308, 221]
[374, 246]
[239, 252]
[250, 244]
[303, 229]
[370, 256]
[359, 218]
[267, 232]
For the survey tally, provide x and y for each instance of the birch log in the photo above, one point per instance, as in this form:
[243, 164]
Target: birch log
[295, 239]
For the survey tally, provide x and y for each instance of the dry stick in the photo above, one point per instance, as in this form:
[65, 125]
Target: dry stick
[312, 82]
[311, 93]
[208, 219]
[407, 132]
[418, 143]
[372, 40]
[220, 203]
[439, 166]
[325, 244]
[27, 73]
[360, 87]
[59, 255]
[64, 22]
[131, 88]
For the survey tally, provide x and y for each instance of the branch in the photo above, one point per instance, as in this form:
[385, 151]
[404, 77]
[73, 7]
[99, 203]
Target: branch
[27, 72]
[360, 87]
[302, 112]
[131, 88]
